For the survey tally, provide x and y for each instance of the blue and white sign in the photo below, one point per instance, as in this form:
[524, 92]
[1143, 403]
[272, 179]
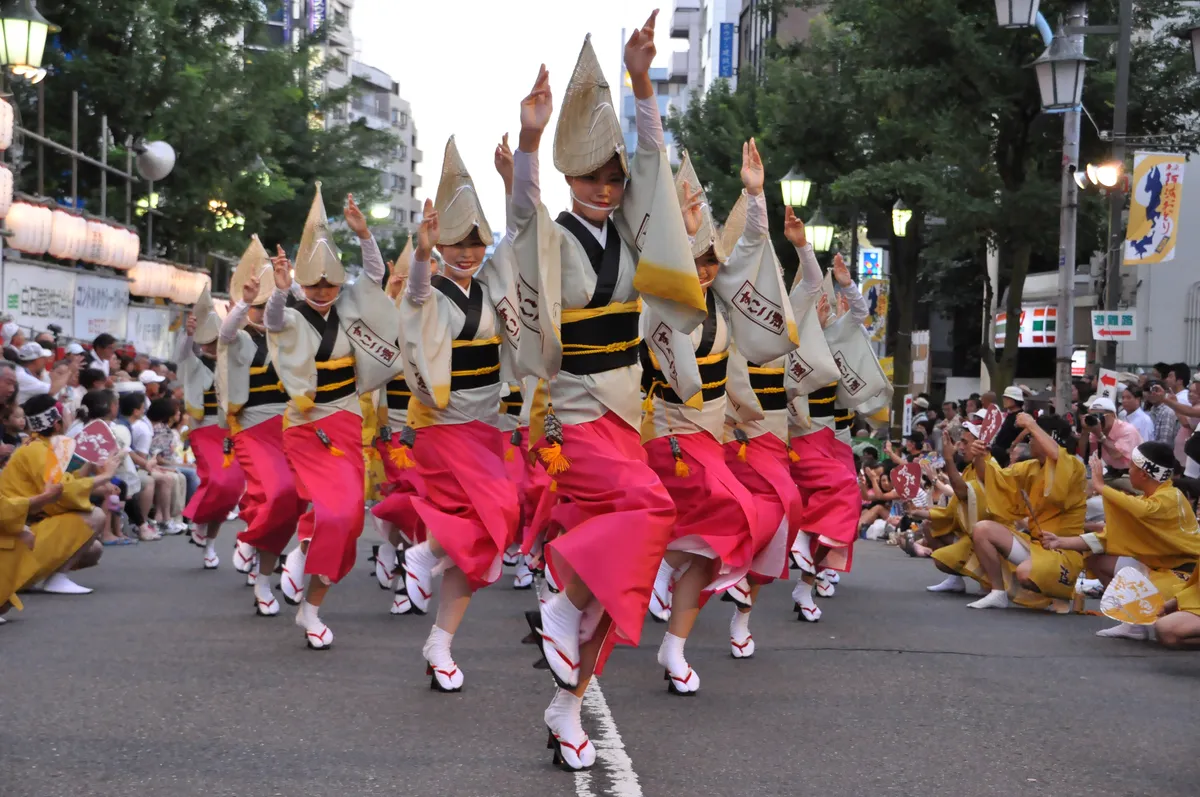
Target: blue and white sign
[725, 65]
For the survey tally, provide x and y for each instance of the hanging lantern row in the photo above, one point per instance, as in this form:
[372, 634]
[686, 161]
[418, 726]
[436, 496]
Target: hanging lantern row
[164, 281]
[40, 228]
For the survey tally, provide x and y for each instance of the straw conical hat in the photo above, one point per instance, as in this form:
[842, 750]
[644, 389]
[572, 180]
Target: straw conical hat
[735, 225]
[706, 237]
[457, 203]
[208, 324]
[589, 131]
[318, 257]
[254, 263]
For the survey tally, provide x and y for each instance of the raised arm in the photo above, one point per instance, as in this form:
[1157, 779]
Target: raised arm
[639, 54]
[372, 263]
[809, 273]
[235, 320]
[753, 179]
[184, 347]
[858, 305]
[535, 115]
[420, 273]
[273, 316]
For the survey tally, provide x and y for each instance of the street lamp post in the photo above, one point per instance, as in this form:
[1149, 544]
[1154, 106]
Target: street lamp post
[1193, 34]
[795, 187]
[23, 40]
[819, 231]
[901, 216]
[1016, 13]
[1116, 197]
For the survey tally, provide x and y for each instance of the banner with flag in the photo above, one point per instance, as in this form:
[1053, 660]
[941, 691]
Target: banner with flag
[1155, 195]
[1037, 328]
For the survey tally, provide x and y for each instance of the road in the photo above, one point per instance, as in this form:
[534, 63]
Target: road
[164, 682]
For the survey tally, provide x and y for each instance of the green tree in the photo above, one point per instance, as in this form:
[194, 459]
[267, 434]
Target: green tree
[246, 124]
[930, 102]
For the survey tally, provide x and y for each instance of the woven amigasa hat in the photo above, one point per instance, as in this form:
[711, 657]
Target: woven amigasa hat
[588, 133]
[318, 257]
[208, 324]
[254, 263]
[706, 237]
[735, 225]
[457, 203]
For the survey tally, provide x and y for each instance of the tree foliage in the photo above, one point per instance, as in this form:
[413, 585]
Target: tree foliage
[930, 102]
[246, 124]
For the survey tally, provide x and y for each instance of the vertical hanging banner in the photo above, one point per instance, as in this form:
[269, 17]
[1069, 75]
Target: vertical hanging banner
[1154, 199]
[725, 59]
[875, 291]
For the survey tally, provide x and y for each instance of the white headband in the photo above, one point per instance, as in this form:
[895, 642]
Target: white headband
[1160, 473]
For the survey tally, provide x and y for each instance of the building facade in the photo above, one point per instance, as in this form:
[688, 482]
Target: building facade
[710, 29]
[375, 100]
[759, 24]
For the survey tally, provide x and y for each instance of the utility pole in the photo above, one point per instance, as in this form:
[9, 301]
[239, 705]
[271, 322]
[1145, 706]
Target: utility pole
[1116, 197]
[1068, 215]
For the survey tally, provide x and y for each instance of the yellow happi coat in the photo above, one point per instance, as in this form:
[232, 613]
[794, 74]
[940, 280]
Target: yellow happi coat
[1057, 494]
[60, 529]
[1158, 530]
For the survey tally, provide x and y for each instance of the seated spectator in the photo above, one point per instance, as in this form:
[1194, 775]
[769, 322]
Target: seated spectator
[14, 339]
[33, 378]
[133, 411]
[60, 522]
[170, 494]
[1112, 438]
[1048, 492]
[104, 347]
[1157, 528]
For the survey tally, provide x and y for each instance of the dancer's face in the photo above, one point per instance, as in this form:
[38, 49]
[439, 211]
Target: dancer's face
[706, 267]
[603, 190]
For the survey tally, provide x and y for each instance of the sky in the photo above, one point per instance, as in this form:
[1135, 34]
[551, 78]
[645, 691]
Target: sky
[465, 65]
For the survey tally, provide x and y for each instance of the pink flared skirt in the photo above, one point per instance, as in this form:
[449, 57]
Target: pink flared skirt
[470, 507]
[221, 485]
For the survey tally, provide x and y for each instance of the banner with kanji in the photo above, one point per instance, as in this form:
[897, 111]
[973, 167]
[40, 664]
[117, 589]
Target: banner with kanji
[1037, 328]
[1154, 198]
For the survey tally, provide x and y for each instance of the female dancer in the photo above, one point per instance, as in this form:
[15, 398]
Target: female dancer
[617, 515]
[253, 402]
[460, 335]
[399, 523]
[326, 351]
[822, 461]
[714, 538]
[221, 479]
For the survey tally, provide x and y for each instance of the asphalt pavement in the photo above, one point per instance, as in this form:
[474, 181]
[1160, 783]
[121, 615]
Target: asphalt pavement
[163, 682]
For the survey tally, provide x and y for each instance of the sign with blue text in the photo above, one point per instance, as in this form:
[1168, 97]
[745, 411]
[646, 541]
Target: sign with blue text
[725, 62]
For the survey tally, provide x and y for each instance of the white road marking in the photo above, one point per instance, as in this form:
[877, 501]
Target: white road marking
[610, 750]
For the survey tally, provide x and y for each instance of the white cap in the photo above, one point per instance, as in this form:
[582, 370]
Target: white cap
[74, 348]
[922, 403]
[129, 387]
[1013, 392]
[33, 351]
[973, 428]
[9, 330]
[1102, 404]
[148, 377]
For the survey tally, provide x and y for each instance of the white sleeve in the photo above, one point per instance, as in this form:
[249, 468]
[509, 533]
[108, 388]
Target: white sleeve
[527, 192]
[756, 217]
[234, 322]
[373, 265]
[419, 275]
[183, 349]
[273, 317]
[858, 305]
[810, 269]
[649, 125]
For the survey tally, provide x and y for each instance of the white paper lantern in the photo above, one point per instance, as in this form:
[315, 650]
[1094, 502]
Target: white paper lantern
[6, 124]
[129, 249]
[30, 225]
[68, 233]
[150, 279]
[6, 190]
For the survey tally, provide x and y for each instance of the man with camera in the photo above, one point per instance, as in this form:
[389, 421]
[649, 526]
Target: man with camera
[1114, 439]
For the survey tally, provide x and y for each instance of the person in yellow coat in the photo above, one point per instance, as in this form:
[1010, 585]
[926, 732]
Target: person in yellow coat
[1044, 494]
[59, 528]
[949, 526]
[1157, 528]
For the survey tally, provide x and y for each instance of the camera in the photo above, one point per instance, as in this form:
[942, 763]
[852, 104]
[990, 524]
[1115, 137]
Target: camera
[1092, 419]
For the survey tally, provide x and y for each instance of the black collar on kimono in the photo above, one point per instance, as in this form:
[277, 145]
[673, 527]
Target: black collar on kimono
[471, 306]
[708, 335]
[605, 262]
[326, 327]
